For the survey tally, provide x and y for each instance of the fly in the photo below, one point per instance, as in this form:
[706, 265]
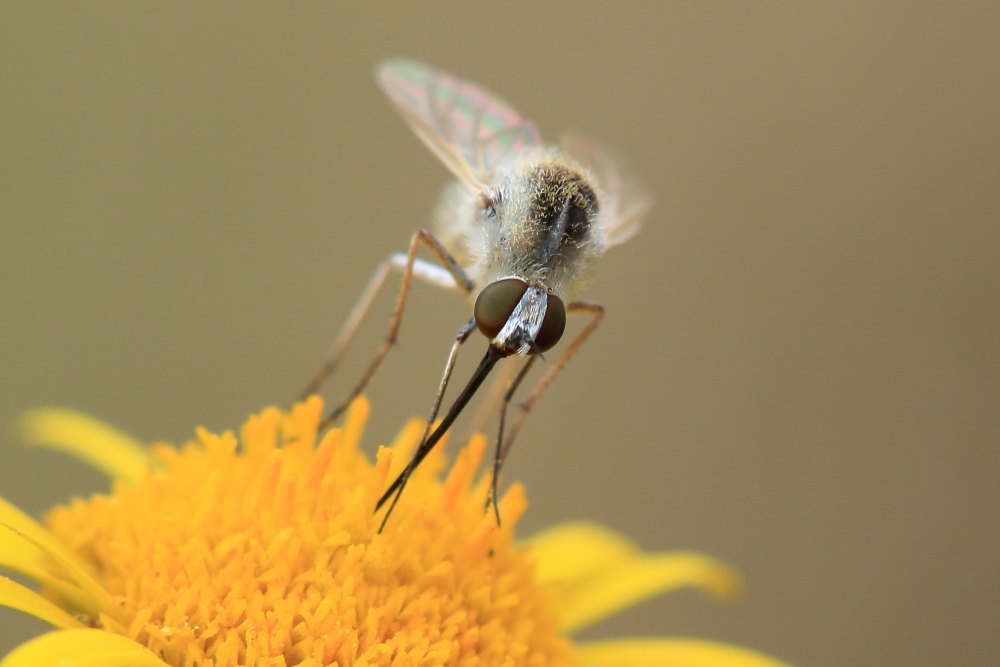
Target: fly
[517, 230]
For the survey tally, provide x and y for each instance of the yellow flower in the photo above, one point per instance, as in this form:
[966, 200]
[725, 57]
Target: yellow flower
[263, 550]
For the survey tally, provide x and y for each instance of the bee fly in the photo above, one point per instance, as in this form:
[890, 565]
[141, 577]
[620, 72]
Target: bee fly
[518, 229]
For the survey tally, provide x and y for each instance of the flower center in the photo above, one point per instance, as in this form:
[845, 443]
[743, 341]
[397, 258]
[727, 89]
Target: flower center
[263, 549]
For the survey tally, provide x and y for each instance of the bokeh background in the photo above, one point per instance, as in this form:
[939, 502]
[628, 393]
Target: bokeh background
[799, 371]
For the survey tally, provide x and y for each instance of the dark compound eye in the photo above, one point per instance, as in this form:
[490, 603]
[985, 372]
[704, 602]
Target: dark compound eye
[553, 325]
[495, 304]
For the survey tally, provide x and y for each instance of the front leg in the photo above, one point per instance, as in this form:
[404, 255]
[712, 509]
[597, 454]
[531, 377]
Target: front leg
[450, 275]
[596, 312]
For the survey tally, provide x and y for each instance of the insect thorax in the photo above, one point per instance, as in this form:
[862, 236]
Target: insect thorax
[538, 225]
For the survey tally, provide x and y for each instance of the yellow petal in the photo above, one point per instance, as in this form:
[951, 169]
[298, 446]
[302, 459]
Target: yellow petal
[574, 550]
[102, 446]
[21, 555]
[81, 648]
[23, 526]
[631, 581]
[599, 572]
[669, 653]
[16, 596]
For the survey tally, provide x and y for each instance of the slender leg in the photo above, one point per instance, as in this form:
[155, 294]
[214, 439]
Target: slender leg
[395, 489]
[596, 311]
[348, 328]
[494, 396]
[410, 266]
[449, 366]
[499, 454]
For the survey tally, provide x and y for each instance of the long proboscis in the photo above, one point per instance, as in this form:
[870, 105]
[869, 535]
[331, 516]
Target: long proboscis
[489, 360]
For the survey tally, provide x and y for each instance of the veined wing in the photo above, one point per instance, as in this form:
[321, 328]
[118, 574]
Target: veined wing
[470, 129]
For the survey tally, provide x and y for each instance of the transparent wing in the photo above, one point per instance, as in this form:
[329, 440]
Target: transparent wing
[626, 203]
[469, 128]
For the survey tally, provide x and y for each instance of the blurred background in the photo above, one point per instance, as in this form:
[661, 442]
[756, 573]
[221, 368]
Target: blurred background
[799, 371]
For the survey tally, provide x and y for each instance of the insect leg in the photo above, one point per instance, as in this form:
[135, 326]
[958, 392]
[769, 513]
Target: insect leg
[410, 266]
[499, 453]
[395, 489]
[348, 328]
[494, 396]
[596, 312]
[400, 481]
[449, 366]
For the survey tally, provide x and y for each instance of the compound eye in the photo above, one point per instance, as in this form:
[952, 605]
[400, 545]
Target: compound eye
[495, 304]
[553, 325]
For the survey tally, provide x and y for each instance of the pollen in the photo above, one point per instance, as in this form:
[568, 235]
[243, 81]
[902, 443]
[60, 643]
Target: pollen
[263, 549]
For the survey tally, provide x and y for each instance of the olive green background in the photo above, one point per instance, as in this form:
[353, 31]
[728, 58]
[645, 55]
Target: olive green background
[799, 371]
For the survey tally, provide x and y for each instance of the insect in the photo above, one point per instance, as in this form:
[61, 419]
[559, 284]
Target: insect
[517, 230]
